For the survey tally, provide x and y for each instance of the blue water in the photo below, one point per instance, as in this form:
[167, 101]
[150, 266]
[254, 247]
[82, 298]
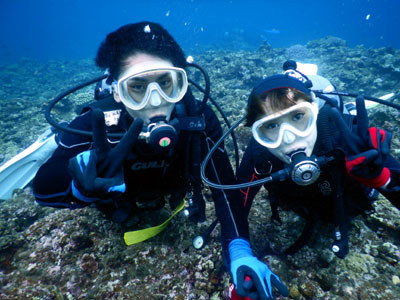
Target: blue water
[73, 29]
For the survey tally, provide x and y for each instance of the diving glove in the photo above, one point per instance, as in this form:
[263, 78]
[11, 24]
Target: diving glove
[86, 185]
[252, 277]
[232, 295]
[366, 149]
[98, 173]
[368, 167]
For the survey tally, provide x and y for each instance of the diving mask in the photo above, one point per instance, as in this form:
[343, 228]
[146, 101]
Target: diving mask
[286, 125]
[154, 82]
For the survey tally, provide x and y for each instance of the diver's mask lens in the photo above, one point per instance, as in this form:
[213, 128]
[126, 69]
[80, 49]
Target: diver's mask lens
[298, 120]
[136, 89]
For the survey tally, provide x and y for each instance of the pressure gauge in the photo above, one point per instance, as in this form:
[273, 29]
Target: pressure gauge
[198, 242]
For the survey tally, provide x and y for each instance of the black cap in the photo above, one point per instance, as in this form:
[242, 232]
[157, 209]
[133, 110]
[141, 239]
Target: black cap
[278, 82]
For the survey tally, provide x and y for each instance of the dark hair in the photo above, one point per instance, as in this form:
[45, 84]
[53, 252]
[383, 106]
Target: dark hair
[144, 37]
[278, 99]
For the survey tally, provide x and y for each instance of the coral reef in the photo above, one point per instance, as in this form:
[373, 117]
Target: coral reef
[298, 53]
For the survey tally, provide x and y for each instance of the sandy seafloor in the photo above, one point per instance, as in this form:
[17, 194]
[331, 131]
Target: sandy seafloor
[48, 254]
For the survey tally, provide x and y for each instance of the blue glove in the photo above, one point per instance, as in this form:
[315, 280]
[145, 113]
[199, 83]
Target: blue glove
[252, 277]
[98, 174]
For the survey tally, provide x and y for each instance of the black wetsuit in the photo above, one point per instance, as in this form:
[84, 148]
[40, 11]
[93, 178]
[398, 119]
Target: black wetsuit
[313, 201]
[148, 175]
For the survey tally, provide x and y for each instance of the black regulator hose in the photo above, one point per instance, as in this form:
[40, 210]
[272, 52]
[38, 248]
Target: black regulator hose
[206, 91]
[53, 102]
[228, 124]
[332, 102]
[380, 101]
[277, 176]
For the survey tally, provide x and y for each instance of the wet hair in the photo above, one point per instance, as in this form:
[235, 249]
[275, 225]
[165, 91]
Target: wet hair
[144, 37]
[277, 99]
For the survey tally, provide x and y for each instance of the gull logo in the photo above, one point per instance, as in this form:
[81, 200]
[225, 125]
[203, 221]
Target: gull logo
[148, 165]
[325, 188]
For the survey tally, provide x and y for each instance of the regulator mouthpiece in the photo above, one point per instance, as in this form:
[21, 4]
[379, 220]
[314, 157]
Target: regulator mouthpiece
[305, 170]
[160, 135]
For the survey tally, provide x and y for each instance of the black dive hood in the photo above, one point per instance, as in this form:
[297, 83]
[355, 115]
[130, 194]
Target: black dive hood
[161, 132]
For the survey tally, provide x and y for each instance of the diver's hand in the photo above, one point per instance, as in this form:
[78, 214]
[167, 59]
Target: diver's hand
[98, 173]
[86, 186]
[368, 167]
[252, 277]
[365, 162]
[366, 149]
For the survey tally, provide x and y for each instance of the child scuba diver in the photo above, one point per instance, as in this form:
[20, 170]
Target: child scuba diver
[313, 159]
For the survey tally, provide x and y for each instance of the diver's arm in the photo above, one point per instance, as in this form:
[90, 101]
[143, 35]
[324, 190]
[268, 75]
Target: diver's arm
[52, 183]
[219, 170]
[242, 199]
[239, 201]
[251, 276]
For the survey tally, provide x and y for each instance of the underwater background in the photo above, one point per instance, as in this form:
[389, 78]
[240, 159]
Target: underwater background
[48, 46]
[73, 29]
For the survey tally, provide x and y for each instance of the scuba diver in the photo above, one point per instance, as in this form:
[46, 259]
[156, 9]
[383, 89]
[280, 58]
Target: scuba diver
[314, 158]
[143, 141]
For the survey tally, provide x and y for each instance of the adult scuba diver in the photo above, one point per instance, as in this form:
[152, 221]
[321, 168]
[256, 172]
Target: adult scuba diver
[313, 158]
[143, 141]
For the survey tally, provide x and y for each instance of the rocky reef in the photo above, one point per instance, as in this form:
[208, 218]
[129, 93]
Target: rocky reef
[62, 254]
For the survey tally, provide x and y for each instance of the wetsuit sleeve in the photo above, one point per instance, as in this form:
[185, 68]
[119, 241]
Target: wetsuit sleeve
[392, 191]
[242, 200]
[52, 183]
[219, 170]
[233, 209]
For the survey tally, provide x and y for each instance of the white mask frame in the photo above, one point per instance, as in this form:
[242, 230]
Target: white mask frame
[179, 82]
[284, 126]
